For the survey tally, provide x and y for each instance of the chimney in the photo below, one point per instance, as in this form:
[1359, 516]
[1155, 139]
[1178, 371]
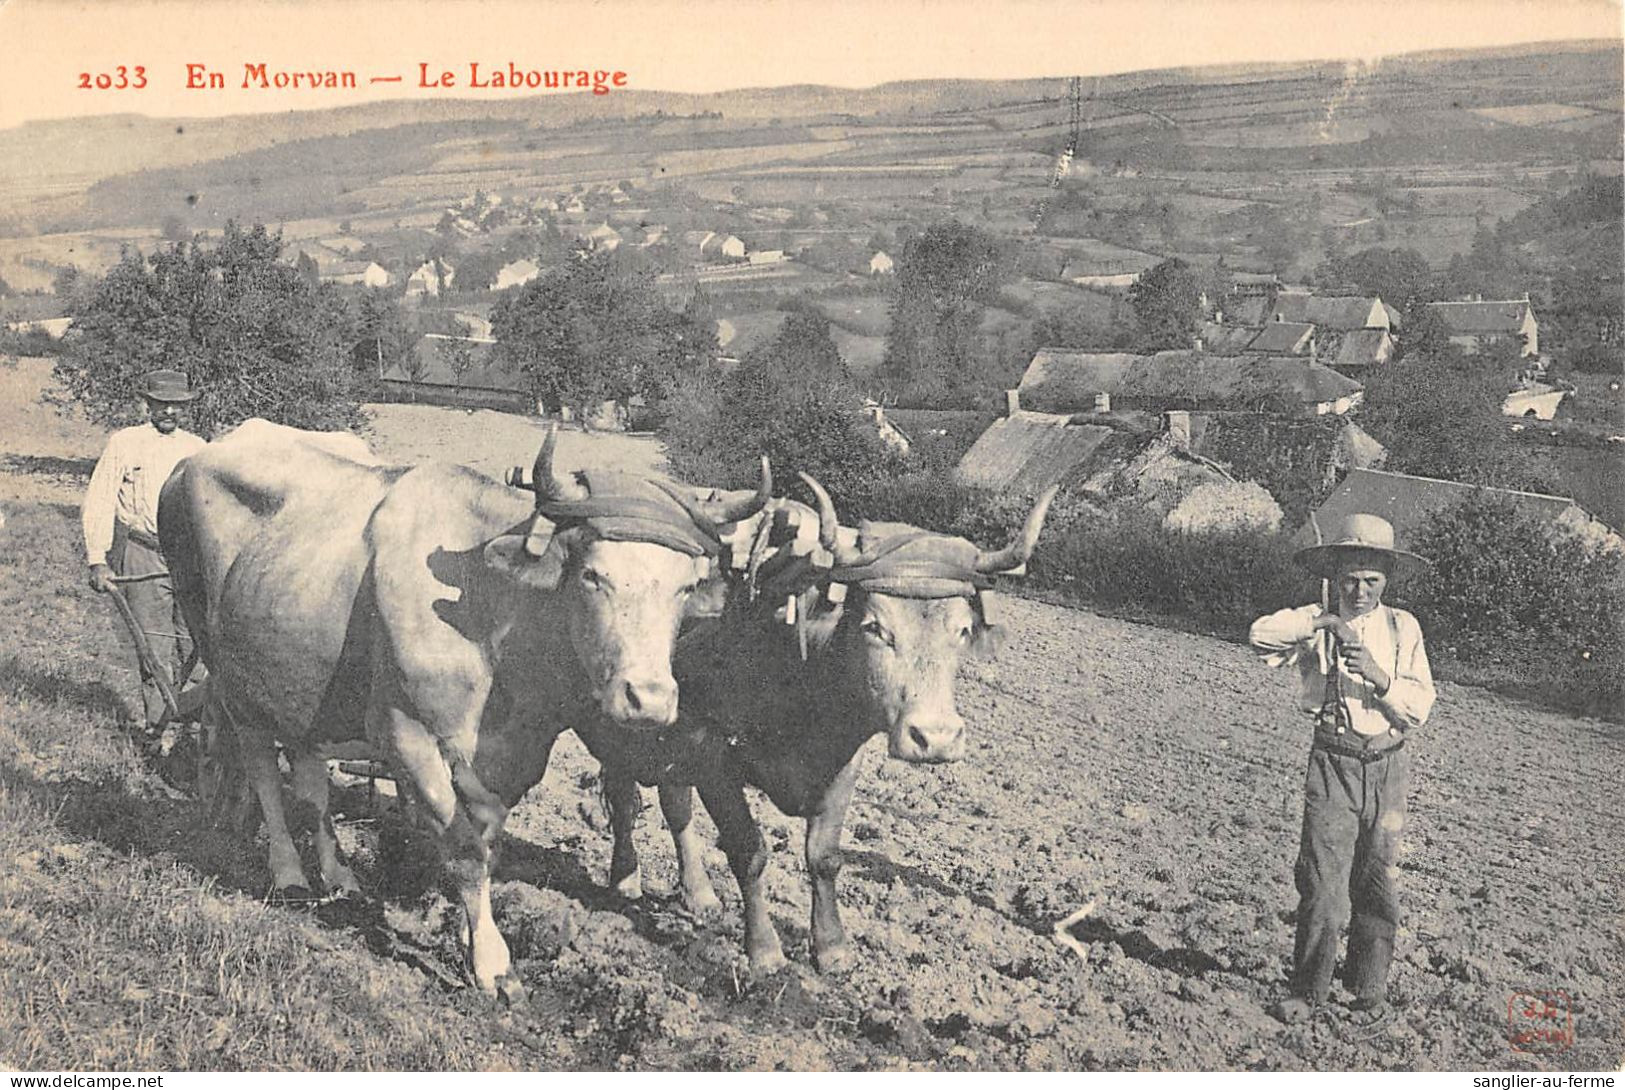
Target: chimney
[1196, 343]
[1314, 350]
[1218, 317]
[1103, 402]
[1012, 402]
[1176, 424]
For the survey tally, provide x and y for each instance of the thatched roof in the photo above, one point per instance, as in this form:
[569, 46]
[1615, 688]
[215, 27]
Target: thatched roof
[1503, 316]
[1330, 312]
[1283, 338]
[1364, 347]
[1409, 502]
[1062, 379]
[1029, 451]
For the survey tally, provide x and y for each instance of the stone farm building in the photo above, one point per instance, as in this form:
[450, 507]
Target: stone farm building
[430, 278]
[1334, 312]
[1070, 380]
[881, 264]
[516, 273]
[1409, 502]
[1477, 324]
[484, 386]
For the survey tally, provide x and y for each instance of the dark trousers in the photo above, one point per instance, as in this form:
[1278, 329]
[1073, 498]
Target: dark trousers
[1353, 813]
[153, 603]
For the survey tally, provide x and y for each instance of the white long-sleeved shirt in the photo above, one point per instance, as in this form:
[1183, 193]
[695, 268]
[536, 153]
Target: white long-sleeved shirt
[126, 483]
[1288, 638]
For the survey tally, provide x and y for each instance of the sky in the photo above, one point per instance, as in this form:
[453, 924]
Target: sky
[48, 47]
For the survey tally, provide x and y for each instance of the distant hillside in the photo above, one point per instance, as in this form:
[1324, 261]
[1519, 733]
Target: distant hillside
[47, 169]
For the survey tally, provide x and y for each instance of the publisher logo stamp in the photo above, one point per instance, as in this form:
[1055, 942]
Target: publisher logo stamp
[1540, 1022]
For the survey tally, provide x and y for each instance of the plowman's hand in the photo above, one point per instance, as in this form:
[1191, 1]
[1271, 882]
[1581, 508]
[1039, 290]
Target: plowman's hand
[1338, 627]
[1358, 659]
[101, 578]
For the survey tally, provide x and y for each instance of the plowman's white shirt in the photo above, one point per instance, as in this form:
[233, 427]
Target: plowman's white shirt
[1288, 638]
[126, 483]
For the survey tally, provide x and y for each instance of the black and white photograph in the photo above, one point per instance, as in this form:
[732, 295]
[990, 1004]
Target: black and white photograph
[707, 536]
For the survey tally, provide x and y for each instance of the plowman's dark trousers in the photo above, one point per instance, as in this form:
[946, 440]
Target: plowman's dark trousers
[153, 603]
[1353, 813]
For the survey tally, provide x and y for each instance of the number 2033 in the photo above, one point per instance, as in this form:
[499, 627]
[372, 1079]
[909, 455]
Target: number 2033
[118, 79]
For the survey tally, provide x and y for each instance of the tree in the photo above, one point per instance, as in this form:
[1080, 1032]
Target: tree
[596, 330]
[1401, 277]
[385, 339]
[1167, 304]
[458, 356]
[944, 279]
[253, 336]
[1439, 415]
[793, 400]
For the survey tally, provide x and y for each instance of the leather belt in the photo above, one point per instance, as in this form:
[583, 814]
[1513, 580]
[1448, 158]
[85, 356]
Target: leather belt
[144, 539]
[1363, 755]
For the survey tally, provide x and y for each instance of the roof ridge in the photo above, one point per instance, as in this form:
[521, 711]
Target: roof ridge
[1464, 484]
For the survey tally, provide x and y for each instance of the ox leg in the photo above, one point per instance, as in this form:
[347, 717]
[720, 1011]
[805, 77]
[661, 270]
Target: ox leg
[677, 804]
[830, 952]
[747, 857]
[258, 755]
[468, 818]
[624, 801]
[310, 786]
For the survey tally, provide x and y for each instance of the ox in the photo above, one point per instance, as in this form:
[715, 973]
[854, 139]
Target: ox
[461, 624]
[875, 648]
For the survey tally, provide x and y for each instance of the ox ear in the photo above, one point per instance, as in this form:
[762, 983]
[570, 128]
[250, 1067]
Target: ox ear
[990, 629]
[507, 554]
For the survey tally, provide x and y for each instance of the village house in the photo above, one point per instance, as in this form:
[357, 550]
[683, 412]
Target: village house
[881, 264]
[367, 273]
[1283, 339]
[766, 257]
[1338, 312]
[1068, 380]
[1477, 324]
[1409, 502]
[430, 278]
[516, 273]
[714, 245]
[1359, 349]
[603, 237]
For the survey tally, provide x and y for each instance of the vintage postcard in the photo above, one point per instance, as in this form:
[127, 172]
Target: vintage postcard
[701, 535]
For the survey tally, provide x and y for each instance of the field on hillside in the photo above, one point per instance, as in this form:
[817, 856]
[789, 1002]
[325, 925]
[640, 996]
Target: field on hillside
[1156, 774]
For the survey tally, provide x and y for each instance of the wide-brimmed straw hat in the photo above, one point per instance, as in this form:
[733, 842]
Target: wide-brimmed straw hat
[166, 386]
[1357, 533]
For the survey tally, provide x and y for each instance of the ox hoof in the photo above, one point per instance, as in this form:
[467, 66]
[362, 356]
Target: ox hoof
[342, 883]
[766, 964]
[834, 959]
[705, 908]
[509, 992]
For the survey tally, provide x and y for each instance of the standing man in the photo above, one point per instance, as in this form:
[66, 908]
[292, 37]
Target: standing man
[121, 524]
[1363, 675]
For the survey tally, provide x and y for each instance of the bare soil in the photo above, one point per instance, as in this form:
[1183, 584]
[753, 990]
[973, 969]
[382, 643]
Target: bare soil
[1157, 774]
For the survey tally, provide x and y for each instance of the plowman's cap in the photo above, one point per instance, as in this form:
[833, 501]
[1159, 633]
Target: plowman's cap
[166, 386]
[1358, 532]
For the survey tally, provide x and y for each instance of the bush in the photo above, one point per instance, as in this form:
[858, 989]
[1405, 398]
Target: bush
[254, 337]
[1534, 604]
[1127, 561]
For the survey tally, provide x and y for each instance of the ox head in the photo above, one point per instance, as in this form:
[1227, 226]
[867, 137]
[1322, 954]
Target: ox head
[622, 556]
[912, 611]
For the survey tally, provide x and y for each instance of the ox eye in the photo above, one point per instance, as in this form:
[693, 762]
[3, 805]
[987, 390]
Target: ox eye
[592, 578]
[876, 631]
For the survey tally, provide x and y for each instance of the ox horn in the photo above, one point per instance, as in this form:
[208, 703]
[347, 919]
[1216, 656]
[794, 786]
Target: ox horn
[829, 525]
[746, 506]
[542, 480]
[1018, 551]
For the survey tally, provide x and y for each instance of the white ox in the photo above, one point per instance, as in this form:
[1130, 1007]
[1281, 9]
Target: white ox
[438, 609]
